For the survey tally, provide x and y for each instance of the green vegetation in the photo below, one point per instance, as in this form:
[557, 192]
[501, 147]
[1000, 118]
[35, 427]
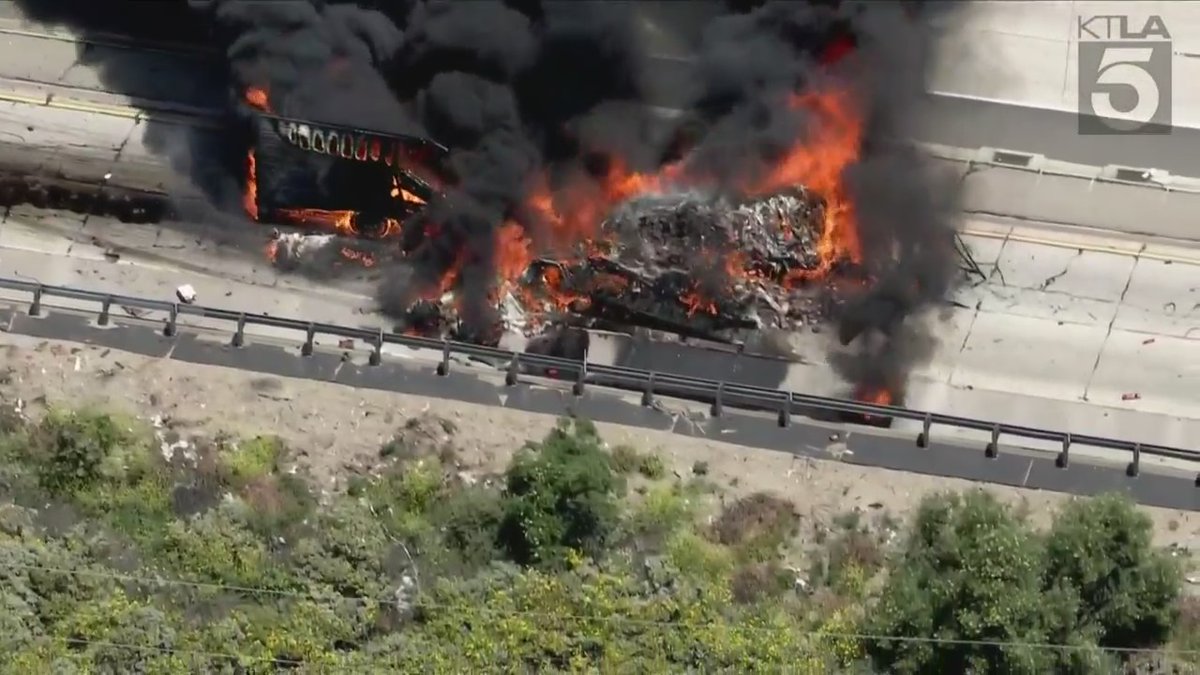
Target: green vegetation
[119, 554]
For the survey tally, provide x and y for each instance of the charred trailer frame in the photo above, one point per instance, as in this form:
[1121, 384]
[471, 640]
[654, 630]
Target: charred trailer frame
[303, 164]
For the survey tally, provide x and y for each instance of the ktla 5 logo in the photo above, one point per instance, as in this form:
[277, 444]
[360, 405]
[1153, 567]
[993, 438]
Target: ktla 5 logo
[1124, 76]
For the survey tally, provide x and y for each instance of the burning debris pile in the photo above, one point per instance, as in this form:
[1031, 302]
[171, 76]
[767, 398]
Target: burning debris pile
[678, 249]
[690, 263]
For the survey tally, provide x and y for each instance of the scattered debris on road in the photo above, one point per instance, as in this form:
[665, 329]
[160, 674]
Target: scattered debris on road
[186, 294]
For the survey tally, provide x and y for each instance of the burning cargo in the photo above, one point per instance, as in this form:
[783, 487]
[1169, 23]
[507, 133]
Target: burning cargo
[673, 251]
[693, 264]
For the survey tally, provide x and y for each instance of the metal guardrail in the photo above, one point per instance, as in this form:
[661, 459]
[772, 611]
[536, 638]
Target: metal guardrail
[719, 394]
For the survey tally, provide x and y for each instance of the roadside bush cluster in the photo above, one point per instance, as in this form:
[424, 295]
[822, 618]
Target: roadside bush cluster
[118, 554]
[974, 571]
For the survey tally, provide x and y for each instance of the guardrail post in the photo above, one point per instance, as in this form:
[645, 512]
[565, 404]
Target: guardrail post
[514, 371]
[172, 319]
[1064, 457]
[926, 426]
[648, 391]
[785, 412]
[443, 368]
[310, 336]
[993, 446]
[1135, 466]
[35, 307]
[239, 333]
[718, 406]
[105, 308]
[580, 377]
[376, 356]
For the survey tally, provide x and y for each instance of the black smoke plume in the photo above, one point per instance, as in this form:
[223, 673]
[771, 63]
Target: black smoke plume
[906, 212]
[527, 87]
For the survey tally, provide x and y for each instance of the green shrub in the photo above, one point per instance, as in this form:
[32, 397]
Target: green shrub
[561, 494]
[1099, 553]
[849, 561]
[71, 448]
[652, 467]
[278, 504]
[625, 459]
[403, 497]
[245, 461]
[664, 510]
[45, 581]
[469, 521]
[217, 547]
[346, 553]
[757, 581]
[141, 510]
[694, 599]
[109, 624]
[756, 525]
[1187, 629]
[971, 571]
[697, 557]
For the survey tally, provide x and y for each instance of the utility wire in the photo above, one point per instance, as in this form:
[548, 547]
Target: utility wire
[865, 637]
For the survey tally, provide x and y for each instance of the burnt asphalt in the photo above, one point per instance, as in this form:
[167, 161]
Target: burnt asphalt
[1012, 466]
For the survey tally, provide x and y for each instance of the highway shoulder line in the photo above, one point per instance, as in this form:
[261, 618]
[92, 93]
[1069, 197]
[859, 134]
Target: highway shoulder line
[49, 95]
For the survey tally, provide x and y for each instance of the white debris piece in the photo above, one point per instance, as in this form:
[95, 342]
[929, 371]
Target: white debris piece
[512, 313]
[293, 249]
[186, 294]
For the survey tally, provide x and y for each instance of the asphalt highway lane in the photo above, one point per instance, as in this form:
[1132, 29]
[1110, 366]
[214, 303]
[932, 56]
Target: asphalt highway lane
[1155, 487]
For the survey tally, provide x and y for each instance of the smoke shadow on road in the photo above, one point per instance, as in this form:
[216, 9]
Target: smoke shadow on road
[107, 33]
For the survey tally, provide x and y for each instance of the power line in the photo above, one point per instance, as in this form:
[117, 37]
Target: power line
[284, 661]
[863, 637]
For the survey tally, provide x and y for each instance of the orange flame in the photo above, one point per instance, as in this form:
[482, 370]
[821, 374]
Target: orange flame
[567, 220]
[564, 219]
[257, 98]
[250, 198]
[338, 222]
[874, 395]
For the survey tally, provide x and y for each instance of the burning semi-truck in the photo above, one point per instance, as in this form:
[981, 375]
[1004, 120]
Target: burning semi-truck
[667, 251]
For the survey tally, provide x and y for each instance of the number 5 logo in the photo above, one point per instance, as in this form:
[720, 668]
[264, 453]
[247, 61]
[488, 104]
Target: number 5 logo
[1126, 67]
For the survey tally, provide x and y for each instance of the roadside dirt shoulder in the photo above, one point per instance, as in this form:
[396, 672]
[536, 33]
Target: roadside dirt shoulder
[337, 431]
